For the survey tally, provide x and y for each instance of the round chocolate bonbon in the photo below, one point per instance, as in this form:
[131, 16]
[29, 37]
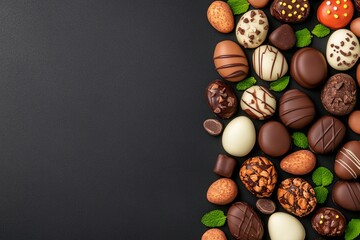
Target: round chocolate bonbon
[213, 126]
[230, 61]
[338, 96]
[355, 26]
[325, 134]
[335, 14]
[220, 16]
[347, 195]
[258, 102]
[242, 214]
[258, 3]
[283, 37]
[354, 121]
[308, 67]
[329, 222]
[296, 109]
[347, 161]
[297, 196]
[274, 139]
[291, 11]
[259, 176]
[265, 205]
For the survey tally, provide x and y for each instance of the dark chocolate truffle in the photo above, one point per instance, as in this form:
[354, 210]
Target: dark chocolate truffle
[221, 99]
[329, 222]
[296, 110]
[274, 139]
[283, 37]
[241, 214]
[347, 195]
[224, 165]
[338, 96]
[325, 134]
[290, 11]
[347, 161]
[308, 67]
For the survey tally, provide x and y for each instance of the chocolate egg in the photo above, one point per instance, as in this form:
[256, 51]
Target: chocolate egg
[355, 26]
[347, 195]
[354, 121]
[230, 61]
[258, 3]
[347, 161]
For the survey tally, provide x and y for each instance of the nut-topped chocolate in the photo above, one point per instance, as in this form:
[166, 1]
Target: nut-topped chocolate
[291, 11]
[221, 99]
[259, 176]
[297, 196]
[329, 222]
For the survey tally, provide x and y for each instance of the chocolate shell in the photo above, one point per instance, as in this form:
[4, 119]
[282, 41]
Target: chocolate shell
[347, 161]
[325, 135]
[284, 10]
[329, 222]
[244, 223]
[347, 195]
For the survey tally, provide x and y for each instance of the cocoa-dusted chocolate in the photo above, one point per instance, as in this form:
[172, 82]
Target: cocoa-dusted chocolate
[297, 196]
[241, 214]
[338, 96]
[221, 99]
[230, 61]
[259, 176]
[274, 139]
[265, 205]
[283, 37]
[329, 222]
[326, 134]
[347, 195]
[224, 165]
[291, 11]
[296, 109]
[347, 161]
[213, 126]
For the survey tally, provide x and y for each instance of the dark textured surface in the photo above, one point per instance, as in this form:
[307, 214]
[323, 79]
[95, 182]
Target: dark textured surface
[102, 105]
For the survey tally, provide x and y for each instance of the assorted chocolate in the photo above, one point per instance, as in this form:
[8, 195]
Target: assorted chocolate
[290, 11]
[347, 195]
[347, 161]
[213, 126]
[274, 139]
[224, 165]
[265, 206]
[299, 163]
[223, 191]
[335, 14]
[354, 121]
[329, 222]
[283, 37]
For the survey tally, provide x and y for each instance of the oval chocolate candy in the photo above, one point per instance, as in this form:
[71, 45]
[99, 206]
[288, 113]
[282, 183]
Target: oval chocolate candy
[325, 134]
[221, 99]
[347, 161]
[230, 61]
[347, 195]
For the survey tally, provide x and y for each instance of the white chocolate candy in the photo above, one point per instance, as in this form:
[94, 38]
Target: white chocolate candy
[283, 226]
[252, 29]
[269, 63]
[342, 50]
[239, 136]
[258, 102]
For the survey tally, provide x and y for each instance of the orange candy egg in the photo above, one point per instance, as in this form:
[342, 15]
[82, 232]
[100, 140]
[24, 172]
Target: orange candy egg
[335, 14]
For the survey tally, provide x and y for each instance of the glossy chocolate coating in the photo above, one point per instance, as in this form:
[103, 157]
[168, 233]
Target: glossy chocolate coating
[354, 121]
[213, 126]
[290, 11]
[266, 206]
[244, 223]
[308, 67]
[347, 161]
[347, 195]
[325, 134]
[283, 37]
[297, 196]
[224, 165]
[329, 222]
[230, 61]
[274, 139]
[221, 99]
[338, 96]
[296, 109]
[259, 176]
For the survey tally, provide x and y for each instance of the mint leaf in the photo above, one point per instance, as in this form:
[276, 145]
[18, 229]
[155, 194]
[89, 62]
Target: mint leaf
[321, 194]
[280, 84]
[320, 31]
[303, 37]
[246, 83]
[238, 6]
[300, 140]
[352, 229]
[322, 176]
[214, 218]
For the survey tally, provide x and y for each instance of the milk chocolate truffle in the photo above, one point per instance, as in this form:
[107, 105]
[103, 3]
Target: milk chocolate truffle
[347, 195]
[266, 206]
[347, 161]
[290, 11]
[258, 102]
[241, 214]
[213, 126]
[230, 61]
[329, 222]
[308, 67]
[297, 196]
[274, 139]
[221, 99]
[259, 176]
[283, 37]
[296, 109]
[325, 135]
[258, 3]
[338, 96]
[224, 165]
[354, 121]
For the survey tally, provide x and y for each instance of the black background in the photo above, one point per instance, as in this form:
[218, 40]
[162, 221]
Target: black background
[101, 111]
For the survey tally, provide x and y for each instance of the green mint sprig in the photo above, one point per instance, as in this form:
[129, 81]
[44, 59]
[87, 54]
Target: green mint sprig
[214, 218]
[280, 84]
[352, 229]
[246, 83]
[303, 38]
[238, 6]
[322, 177]
[320, 31]
[300, 140]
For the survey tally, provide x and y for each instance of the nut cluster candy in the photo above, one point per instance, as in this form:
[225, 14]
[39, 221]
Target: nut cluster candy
[329, 222]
